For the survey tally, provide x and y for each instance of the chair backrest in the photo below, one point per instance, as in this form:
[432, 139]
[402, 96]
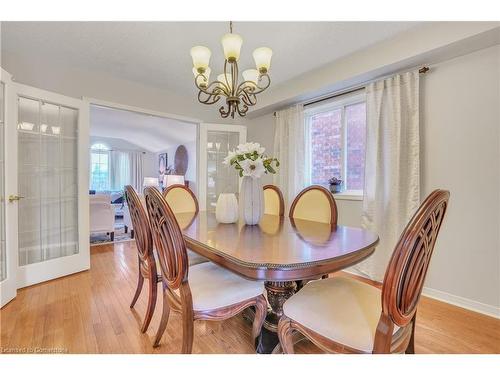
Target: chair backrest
[405, 274]
[181, 199]
[142, 231]
[273, 201]
[315, 203]
[168, 239]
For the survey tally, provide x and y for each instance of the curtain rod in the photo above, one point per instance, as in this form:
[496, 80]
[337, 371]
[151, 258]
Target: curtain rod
[350, 90]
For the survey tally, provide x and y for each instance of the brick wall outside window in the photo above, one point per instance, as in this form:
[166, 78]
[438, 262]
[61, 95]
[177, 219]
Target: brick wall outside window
[327, 146]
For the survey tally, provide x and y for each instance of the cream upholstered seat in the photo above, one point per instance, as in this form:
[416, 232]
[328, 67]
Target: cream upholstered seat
[180, 199]
[341, 309]
[314, 203]
[273, 201]
[213, 287]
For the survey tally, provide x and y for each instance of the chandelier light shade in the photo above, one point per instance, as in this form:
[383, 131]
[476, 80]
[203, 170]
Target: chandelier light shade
[201, 58]
[251, 76]
[240, 94]
[231, 44]
[262, 57]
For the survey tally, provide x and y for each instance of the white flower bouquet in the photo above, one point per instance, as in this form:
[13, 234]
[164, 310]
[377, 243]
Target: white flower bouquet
[249, 160]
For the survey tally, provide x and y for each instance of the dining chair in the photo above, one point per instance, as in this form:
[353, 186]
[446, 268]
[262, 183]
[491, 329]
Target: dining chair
[144, 243]
[201, 292]
[181, 199]
[342, 314]
[273, 201]
[314, 203]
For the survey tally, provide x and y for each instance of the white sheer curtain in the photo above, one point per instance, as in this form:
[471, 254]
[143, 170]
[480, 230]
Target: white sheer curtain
[392, 175]
[136, 171]
[119, 167]
[289, 148]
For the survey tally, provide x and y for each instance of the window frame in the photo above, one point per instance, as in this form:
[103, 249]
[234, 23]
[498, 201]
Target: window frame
[101, 151]
[334, 104]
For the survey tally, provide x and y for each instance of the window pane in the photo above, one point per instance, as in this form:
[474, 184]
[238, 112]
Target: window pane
[356, 134]
[326, 146]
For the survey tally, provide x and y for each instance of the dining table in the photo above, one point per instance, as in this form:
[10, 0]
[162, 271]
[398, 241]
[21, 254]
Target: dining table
[280, 251]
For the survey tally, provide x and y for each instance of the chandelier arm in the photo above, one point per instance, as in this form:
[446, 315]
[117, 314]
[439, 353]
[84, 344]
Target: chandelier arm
[219, 86]
[234, 77]
[210, 98]
[243, 111]
[248, 98]
[259, 89]
[223, 112]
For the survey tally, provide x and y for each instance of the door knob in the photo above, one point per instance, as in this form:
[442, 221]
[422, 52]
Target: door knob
[13, 198]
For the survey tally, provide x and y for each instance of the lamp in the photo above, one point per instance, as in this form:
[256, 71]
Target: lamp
[262, 57]
[150, 181]
[172, 179]
[201, 58]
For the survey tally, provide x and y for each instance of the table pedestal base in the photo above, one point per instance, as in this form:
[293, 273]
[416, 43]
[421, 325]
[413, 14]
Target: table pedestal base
[277, 293]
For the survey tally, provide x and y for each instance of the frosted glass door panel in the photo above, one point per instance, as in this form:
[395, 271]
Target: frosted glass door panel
[47, 159]
[220, 178]
[3, 255]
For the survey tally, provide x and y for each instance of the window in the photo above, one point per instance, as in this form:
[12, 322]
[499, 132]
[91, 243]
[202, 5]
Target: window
[336, 136]
[99, 167]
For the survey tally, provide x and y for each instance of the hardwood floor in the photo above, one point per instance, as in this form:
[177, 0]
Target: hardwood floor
[89, 312]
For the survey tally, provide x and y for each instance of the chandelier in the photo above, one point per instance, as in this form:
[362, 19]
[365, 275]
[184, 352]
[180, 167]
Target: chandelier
[239, 96]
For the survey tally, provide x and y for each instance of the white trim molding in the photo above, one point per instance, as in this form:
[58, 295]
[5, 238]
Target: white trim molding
[465, 303]
[462, 302]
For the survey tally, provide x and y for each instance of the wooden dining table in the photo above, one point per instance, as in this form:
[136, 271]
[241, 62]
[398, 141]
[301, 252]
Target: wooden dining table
[280, 251]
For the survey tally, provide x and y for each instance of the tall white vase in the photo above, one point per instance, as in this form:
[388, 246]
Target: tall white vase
[251, 200]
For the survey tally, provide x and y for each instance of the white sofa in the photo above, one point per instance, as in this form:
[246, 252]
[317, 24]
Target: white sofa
[102, 215]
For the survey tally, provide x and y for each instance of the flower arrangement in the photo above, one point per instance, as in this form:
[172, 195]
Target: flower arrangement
[249, 160]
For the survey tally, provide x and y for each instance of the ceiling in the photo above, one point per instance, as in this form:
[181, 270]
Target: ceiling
[150, 133]
[157, 53]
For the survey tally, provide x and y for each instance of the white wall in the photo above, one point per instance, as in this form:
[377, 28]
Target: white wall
[191, 172]
[149, 160]
[460, 137]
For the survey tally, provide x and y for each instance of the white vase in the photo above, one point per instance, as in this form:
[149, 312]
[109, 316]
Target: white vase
[251, 200]
[226, 210]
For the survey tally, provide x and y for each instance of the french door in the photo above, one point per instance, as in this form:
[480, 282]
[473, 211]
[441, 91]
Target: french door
[215, 178]
[46, 168]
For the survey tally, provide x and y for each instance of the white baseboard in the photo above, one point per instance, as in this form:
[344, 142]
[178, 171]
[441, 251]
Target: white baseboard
[462, 302]
[452, 299]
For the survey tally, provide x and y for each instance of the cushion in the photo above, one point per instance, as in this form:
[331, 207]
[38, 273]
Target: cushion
[180, 200]
[213, 287]
[271, 202]
[313, 205]
[342, 309]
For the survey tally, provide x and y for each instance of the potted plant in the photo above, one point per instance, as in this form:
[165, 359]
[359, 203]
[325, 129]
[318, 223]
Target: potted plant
[335, 185]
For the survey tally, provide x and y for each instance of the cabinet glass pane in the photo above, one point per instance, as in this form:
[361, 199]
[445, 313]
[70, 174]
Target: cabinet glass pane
[220, 178]
[48, 215]
[3, 255]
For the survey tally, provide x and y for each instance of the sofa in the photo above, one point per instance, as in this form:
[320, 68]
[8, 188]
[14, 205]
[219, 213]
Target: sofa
[102, 215]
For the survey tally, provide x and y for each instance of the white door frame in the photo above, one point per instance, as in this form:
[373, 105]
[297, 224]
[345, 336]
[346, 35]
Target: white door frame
[202, 151]
[50, 269]
[8, 287]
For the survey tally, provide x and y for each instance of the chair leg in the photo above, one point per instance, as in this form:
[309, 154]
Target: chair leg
[125, 228]
[112, 236]
[153, 290]
[138, 290]
[410, 349]
[285, 335]
[131, 233]
[187, 329]
[164, 320]
[260, 316]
